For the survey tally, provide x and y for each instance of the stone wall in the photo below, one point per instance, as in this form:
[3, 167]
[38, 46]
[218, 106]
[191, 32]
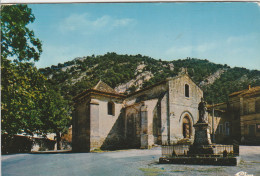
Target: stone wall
[164, 116]
[151, 116]
[250, 120]
[149, 123]
[132, 131]
[234, 112]
[148, 109]
[143, 124]
[94, 128]
[81, 127]
[111, 126]
[221, 134]
[147, 94]
[181, 106]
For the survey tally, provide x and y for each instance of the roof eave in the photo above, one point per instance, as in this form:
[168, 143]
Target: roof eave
[93, 91]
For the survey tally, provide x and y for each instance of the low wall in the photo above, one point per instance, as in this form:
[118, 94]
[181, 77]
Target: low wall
[25, 144]
[15, 144]
[42, 144]
[218, 161]
[182, 150]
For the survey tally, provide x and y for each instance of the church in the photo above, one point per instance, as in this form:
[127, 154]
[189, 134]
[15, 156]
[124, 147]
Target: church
[160, 114]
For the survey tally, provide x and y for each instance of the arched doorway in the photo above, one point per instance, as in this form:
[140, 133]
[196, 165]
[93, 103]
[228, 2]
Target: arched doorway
[186, 127]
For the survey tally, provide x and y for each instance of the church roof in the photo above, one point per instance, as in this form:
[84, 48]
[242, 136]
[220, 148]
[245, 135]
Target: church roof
[100, 88]
[103, 87]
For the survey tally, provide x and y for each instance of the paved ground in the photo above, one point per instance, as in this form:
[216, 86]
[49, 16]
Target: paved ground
[119, 163]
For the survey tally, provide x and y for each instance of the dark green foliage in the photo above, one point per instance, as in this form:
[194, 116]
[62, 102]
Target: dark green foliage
[16, 39]
[29, 104]
[232, 80]
[22, 87]
[84, 73]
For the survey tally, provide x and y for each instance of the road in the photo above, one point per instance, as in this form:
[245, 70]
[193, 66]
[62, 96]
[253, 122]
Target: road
[119, 163]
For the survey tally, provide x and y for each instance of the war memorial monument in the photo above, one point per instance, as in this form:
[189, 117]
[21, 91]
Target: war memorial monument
[202, 151]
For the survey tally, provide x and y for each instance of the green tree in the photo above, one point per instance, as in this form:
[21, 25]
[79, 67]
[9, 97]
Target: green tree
[28, 104]
[21, 89]
[19, 78]
[16, 39]
[54, 114]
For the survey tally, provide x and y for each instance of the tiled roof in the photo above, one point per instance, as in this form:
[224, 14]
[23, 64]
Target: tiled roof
[215, 105]
[236, 93]
[246, 91]
[250, 91]
[103, 87]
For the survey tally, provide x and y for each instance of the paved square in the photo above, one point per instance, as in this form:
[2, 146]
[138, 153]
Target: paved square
[118, 163]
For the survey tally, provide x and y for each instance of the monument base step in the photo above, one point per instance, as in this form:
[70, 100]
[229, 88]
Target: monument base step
[217, 161]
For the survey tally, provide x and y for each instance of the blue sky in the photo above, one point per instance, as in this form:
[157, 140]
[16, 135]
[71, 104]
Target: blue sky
[225, 33]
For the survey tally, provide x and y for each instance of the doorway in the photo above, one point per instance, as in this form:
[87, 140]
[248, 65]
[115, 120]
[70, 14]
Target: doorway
[186, 127]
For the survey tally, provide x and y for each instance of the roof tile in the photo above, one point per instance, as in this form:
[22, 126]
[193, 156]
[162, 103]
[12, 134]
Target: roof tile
[101, 86]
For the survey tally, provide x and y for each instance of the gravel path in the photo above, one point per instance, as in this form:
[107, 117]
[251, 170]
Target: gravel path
[119, 163]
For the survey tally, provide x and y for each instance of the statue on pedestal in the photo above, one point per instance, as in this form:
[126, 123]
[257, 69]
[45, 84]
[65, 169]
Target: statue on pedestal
[202, 136]
[202, 111]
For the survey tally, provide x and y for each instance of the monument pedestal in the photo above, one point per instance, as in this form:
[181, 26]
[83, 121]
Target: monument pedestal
[202, 142]
[202, 135]
[202, 151]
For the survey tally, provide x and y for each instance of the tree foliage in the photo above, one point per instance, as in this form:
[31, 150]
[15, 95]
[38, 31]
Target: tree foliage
[29, 103]
[17, 40]
[22, 87]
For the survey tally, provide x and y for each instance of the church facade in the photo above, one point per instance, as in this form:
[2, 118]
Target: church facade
[161, 114]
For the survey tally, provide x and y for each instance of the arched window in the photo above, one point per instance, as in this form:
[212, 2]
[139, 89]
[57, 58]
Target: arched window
[110, 108]
[187, 90]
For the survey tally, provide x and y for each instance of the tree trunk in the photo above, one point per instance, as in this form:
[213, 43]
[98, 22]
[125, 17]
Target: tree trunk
[58, 138]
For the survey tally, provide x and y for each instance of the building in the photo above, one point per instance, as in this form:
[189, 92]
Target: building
[239, 118]
[161, 114]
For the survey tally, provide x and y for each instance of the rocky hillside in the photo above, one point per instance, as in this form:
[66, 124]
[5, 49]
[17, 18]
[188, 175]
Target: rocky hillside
[128, 73]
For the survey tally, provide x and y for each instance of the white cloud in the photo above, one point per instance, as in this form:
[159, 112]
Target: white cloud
[184, 51]
[123, 22]
[101, 22]
[85, 24]
[239, 51]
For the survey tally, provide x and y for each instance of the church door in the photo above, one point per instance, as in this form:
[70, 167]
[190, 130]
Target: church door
[186, 127]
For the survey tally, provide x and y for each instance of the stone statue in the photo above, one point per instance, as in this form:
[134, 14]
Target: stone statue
[202, 111]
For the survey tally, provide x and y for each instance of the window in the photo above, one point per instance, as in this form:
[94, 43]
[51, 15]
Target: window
[257, 106]
[251, 107]
[110, 108]
[227, 128]
[258, 127]
[220, 129]
[245, 108]
[251, 129]
[187, 91]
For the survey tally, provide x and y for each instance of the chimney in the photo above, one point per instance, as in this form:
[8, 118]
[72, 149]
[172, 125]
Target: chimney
[249, 87]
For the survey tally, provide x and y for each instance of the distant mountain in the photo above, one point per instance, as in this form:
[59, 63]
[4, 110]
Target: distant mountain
[129, 73]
